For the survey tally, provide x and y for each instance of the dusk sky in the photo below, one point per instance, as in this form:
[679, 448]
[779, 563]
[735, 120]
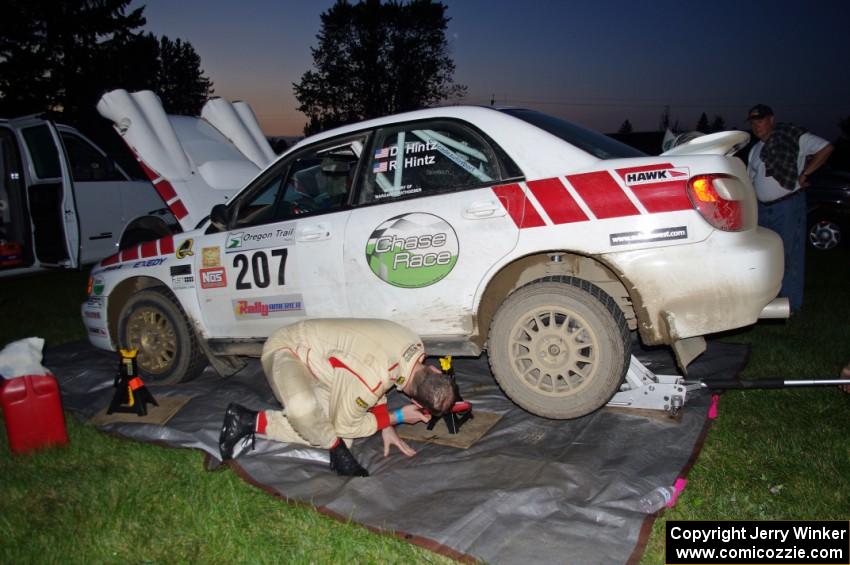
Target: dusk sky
[594, 63]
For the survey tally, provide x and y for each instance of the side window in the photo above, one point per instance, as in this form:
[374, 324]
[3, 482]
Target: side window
[427, 158]
[87, 163]
[43, 152]
[316, 180]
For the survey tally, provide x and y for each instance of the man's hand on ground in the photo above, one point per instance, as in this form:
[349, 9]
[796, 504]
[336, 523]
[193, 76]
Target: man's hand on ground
[845, 374]
[390, 437]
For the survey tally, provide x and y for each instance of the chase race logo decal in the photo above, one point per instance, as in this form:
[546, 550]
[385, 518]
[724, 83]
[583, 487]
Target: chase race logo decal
[412, 250]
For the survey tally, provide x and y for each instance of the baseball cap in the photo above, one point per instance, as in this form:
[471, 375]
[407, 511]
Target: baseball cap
[759, 111]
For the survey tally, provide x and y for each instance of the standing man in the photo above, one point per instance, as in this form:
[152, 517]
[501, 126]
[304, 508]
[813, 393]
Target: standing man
[332, 377]
[780, 164]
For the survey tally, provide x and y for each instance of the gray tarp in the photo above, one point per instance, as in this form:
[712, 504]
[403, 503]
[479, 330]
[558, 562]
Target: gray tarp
[531, 489]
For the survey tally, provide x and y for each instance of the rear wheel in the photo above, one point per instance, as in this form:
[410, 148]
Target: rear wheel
[153, 323]
[559, 347]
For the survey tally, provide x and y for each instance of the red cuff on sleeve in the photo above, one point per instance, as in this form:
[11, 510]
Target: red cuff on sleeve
[262, 422]
[381, 414]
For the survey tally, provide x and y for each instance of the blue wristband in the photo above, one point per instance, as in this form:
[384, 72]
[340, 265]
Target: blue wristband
[399, 417]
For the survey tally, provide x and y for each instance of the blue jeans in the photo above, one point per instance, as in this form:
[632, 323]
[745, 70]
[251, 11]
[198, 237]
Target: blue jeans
[788, 219]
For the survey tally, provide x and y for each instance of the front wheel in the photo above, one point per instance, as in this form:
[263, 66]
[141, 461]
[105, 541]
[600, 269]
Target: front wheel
[153, 323]
[559, 347]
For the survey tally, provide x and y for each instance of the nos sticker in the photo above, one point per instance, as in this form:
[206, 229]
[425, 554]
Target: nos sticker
[412, 250]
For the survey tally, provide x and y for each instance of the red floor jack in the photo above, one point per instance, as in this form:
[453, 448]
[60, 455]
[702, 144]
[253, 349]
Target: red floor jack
[461, 411]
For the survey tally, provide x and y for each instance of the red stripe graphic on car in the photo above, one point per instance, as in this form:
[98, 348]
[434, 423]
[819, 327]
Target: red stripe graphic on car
[178, 209]
[661, 187]
[149, 249]
[603, 195]
[558, 203]
[130, 253]
[663, 197]
[166, 245]
[515, 202]
[658, 187]
[165, 191]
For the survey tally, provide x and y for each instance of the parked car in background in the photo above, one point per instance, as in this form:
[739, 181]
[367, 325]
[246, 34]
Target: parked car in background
[64, 202]
[828, 198]
[504, 230]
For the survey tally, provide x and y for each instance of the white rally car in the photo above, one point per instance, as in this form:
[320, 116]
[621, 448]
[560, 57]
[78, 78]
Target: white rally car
[504, 230]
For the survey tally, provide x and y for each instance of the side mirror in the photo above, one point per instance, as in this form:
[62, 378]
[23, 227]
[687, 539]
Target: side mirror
[220, 216]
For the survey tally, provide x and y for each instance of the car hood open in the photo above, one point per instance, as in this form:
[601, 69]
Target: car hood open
[194, 162]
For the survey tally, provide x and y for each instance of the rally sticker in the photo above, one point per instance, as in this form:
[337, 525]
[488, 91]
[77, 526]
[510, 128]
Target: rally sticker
[185, 249]
[269, 307]
[181, 277]
[258, 239]
[636, 178]
[211, 257]
[214, 277]
[412, 250]
[663, 234]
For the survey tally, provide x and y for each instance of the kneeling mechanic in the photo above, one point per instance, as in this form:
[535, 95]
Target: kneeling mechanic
[332, 377]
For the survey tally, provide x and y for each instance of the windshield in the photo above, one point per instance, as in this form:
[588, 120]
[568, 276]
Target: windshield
[595, 143]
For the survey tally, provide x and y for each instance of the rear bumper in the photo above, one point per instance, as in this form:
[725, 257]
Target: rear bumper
[718, 284]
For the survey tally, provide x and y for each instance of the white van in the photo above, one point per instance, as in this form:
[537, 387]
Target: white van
[64, 202]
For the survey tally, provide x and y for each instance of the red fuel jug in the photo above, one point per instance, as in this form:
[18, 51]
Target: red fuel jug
[32, 408]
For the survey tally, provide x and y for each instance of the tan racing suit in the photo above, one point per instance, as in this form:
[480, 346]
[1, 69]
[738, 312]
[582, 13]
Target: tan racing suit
[332, 375]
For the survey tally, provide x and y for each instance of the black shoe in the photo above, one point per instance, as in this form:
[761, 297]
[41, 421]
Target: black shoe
[239, 422]
[344, 463]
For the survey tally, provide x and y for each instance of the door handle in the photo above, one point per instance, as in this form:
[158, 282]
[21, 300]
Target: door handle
[314, 233]
[483, 209]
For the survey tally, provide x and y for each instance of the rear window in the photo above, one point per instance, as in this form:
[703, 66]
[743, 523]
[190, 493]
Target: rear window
[595, 143]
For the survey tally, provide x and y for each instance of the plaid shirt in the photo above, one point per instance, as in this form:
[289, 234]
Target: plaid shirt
[780, 154]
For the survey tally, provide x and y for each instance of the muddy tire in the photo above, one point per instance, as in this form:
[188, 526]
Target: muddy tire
[168, 352]
[559, 347]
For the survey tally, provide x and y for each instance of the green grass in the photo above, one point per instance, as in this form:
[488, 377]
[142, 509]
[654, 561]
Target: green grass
[782, 454]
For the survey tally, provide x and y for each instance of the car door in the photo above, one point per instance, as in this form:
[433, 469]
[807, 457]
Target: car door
[282, 257]
[432, 223]
[97, 191]
[49, 194]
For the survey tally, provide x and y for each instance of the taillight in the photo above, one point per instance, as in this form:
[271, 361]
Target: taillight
[89, 286]
[726, 215]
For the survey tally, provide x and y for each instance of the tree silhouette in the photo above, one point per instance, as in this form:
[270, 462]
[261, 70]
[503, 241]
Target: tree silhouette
[702, 123]
[375, 59]
[62, 56]
[717, 124]
[179, 81]
[626, 127]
